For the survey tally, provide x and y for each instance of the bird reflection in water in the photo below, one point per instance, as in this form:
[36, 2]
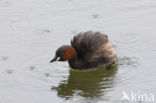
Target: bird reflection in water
[89, 84]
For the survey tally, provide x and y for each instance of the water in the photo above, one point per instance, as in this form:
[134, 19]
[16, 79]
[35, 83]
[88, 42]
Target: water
[31, 31]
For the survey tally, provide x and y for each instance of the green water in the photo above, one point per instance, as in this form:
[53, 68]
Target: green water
[89, 84]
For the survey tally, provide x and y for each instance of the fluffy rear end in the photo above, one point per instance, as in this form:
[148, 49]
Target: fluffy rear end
[88, 42]
[106, 54]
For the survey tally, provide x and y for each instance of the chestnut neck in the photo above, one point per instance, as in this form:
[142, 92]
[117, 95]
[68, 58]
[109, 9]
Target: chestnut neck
[69, 54]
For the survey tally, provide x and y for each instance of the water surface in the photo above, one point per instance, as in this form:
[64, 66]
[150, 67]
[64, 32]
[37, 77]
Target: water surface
[31, 31]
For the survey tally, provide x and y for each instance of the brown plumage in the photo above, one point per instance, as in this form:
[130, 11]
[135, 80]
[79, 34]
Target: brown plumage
[88, 50]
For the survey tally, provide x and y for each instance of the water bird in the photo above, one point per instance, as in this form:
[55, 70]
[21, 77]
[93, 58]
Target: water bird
[88, 50]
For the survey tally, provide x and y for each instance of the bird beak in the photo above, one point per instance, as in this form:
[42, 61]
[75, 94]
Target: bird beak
[54, 59]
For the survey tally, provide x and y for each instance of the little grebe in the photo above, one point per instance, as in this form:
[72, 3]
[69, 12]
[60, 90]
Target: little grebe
[87, 50]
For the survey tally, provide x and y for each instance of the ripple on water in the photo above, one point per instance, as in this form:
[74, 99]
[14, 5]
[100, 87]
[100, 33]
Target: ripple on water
[5, 3]
[127, 61]
[44, 31]
[4, 58]
[127, 38]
